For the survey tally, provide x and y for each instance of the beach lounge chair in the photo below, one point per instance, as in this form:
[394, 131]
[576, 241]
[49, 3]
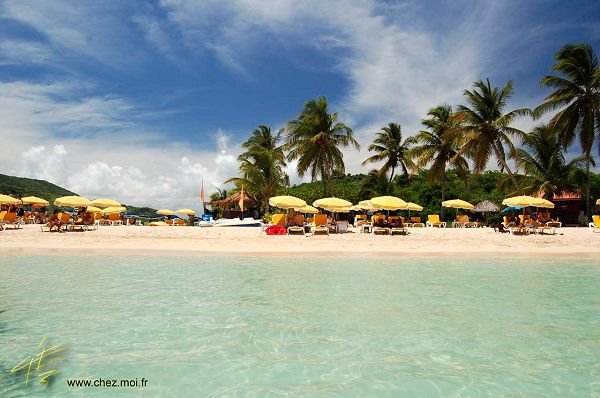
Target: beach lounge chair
[295, 230]
[342, 226]
[296, 226]
[595, 224]
[2, 213]
[433, 220]
[467, 223]
[380, 231]
[279, 219]
[416, 222]
[460, 221]
[11, 220]
[399, 231]
[554, 223]
[359, 220]
[320, 225]
[115, 219]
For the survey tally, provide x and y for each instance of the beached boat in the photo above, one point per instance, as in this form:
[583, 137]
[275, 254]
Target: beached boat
[236, 222]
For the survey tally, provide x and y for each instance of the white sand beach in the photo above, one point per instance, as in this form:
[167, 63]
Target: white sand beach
[122, 240]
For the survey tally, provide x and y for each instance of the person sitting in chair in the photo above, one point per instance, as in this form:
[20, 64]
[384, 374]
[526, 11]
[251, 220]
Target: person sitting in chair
[54, 222]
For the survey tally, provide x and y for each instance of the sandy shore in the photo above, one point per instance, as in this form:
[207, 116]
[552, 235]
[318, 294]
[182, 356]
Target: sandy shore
[121, 240]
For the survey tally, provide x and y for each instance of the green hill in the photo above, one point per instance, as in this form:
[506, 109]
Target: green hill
[19, 186]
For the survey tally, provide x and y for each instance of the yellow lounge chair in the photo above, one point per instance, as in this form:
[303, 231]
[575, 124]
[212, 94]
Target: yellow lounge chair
[320, 225]
[11, 219]
[279, 219]
[380, 231]
[595, 224]
[433, 220]
[359, 220]
[295, 230]
[399, 231]
[461, 220]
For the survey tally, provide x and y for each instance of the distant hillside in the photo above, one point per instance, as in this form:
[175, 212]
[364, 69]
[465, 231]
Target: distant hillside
[19, 186]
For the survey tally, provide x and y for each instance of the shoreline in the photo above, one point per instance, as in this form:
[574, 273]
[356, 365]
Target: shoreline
[248, 241]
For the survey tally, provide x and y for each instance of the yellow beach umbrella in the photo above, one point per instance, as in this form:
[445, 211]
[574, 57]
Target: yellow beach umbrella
[458, 204]
[410, 206]
[34, 200]
[364, 205]
[94, 209]
[166, 212]
[546, 204]
[114, 209]
[8, 200]
[331, 203]
[286, 202]
[73, 201]
[525, 201]
[105, 203]
[338, 209]
[388, 203]
[187, 212]
[307, 209]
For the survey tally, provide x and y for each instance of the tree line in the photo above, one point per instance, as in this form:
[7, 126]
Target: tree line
[462, 139]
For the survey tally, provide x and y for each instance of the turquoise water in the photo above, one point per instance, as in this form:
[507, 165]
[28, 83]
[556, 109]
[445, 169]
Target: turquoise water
[227, 326]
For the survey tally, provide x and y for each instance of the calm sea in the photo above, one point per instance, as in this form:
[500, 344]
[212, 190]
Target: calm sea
[250, 326]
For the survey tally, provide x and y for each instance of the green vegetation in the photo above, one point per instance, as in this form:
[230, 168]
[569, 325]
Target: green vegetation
[261, 166]
[315, 139]
[18, 186]
[577, 97]
[389, 148]
[449, 157]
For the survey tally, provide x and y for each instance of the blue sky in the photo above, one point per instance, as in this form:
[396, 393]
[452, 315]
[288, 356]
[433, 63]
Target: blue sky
[142, 100]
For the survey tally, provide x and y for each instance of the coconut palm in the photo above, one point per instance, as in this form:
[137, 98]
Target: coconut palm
[390, 149]
[439, 146]
[544, 165]
[577, 95]
[375, 184]
[315, 139]
[262, 165]
[487, 128]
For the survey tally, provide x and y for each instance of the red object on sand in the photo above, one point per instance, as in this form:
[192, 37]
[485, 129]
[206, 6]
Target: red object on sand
[275, 230]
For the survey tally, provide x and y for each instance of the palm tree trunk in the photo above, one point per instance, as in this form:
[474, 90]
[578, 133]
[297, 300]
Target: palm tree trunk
[505, 166]
[587, 187]
[324, 178]
[389, 188]
[443, 195]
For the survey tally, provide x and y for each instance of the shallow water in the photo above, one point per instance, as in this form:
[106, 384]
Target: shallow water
[227, 326]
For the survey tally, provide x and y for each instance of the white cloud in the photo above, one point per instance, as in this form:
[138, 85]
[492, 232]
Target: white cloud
[101, 152]
[397, 68]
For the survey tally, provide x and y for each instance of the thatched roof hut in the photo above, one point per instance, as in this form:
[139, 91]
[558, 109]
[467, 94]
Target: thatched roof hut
[233, 201]
[486, 206]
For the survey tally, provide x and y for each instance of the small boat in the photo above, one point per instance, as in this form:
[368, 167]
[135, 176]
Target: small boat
[236, 222]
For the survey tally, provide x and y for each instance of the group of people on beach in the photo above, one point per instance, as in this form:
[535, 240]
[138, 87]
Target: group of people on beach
[56, 223]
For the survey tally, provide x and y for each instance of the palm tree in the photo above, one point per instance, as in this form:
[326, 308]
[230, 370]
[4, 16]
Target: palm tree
[487, 127]
[439, 145]
[543, 162]
[315, 138]
[217, 196]
[262, 165]
[577, 95]
[392, 150]
[375, 184]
